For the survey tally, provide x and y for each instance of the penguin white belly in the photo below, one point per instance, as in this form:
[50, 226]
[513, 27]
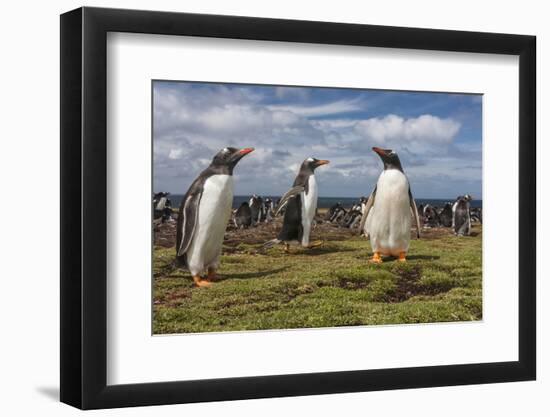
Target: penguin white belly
[214, 213]
[389, 221]
[309, 208]
[454, 209]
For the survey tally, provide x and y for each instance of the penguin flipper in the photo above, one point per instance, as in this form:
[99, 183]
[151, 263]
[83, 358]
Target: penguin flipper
[368, 206]
[189, 214]
[270, 243]
[296, 190]
[414, 213]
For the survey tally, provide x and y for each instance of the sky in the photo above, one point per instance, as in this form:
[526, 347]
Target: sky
[438, 137]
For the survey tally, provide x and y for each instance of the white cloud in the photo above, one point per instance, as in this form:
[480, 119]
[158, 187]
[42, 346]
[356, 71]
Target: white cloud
[175, 153]
[334, 123]
[336, 107]
[425, 128]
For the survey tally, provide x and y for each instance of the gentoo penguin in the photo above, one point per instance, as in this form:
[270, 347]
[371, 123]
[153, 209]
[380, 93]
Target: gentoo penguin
[363, 202]
[333, 212]
[467, 197]
[340, 215]
[351, 215]
[430, 216]
[243, 216]
[354, 217]
[300, 204]
[162, 207]
[387, 215]
[268, 210]
[421, 213]
[256, 207]
[159, 203]
[446, 215]
[462, 220]
[203, 216]
[476, 214]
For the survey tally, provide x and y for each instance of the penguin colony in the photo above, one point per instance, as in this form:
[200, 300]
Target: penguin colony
[385, 216]
[162, 207]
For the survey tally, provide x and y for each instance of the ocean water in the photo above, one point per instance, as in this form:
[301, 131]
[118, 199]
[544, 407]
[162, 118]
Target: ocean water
[327, 202]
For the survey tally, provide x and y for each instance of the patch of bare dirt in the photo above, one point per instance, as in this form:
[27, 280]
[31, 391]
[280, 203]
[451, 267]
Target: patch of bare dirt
[352, 284]
[165, 233]
[174, 299]
[407, 286]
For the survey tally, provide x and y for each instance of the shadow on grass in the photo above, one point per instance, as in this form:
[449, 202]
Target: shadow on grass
[423, 257]
[164, 270]
[322, 250]
[248, 275]
[298, 250]
[389, 259]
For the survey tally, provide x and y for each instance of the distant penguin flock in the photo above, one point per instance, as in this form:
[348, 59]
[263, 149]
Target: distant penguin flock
[162, 207]
[385, 217]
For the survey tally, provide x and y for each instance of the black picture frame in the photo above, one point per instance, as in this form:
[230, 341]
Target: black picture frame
[84, 207]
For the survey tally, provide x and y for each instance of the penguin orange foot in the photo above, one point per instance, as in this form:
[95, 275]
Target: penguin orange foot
[402, 257]
[315, 244]
[287, 248]
[199, 282]
[376, 258]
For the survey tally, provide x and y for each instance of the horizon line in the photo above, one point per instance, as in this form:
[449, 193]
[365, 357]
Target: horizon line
[335, 197]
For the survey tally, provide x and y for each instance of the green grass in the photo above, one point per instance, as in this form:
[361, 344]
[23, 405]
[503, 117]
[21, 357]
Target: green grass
[332, 285]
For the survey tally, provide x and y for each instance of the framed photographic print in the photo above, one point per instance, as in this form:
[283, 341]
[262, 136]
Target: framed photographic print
[257, 208]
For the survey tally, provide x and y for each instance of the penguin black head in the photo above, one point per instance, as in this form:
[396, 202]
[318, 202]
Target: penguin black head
[389, 158]
[462, 202]
[311, 163]
[226, 159]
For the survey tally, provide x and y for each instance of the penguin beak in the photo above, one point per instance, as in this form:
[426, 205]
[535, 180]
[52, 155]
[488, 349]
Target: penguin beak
[245, 151]
[236, 157]
[380, 151]
[322, 162]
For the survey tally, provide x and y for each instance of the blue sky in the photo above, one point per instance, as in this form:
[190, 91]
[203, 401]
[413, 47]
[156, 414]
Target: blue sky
[438, 137]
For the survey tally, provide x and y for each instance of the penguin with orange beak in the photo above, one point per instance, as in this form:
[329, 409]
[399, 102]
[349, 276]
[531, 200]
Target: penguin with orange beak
[387, 215]
[203, 215]
[300, 204]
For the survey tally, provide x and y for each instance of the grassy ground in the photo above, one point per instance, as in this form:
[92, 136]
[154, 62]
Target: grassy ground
[332, 285]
